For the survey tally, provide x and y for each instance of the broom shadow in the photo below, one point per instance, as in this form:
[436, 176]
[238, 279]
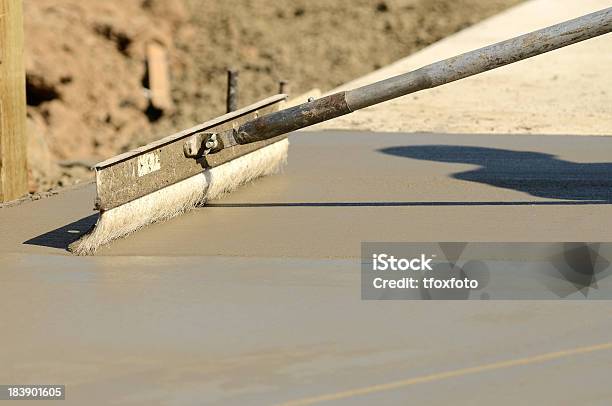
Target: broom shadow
[63, 236]
[407, 204]
[538, 174]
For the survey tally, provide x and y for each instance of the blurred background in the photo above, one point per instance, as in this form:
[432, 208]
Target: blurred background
[86, 63]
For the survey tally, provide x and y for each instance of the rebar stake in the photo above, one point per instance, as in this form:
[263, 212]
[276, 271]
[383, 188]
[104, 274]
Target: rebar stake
[232, 90]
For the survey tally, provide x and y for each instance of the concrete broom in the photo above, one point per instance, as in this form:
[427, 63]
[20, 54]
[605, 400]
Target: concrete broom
[172, 175]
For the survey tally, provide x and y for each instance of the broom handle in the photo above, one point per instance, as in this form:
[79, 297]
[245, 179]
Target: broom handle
[436, 74]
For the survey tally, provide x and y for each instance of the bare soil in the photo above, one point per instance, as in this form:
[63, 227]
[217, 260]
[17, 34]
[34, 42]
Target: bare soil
[85, 62]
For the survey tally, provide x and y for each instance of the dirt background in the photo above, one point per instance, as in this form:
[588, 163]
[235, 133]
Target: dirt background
[85, 62]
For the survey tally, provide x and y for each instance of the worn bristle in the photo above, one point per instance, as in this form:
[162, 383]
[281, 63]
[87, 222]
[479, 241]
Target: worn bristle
[182, 196]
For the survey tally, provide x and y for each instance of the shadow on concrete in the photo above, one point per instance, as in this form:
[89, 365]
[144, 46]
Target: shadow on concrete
[62, 237]
[409, 204]
[538, 174]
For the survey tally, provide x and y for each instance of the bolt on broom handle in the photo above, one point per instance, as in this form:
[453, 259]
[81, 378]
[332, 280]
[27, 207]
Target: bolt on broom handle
[436, 74]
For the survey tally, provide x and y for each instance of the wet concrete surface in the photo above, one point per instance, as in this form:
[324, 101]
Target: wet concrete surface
[226, 331]
[256, 299]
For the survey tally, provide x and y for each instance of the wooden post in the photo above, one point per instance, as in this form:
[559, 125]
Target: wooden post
[13, 141]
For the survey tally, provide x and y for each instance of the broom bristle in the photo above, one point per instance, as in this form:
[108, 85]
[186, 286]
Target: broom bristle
[182, 196]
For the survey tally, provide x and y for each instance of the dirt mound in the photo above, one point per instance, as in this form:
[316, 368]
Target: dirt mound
[85, 62]
[84, 70]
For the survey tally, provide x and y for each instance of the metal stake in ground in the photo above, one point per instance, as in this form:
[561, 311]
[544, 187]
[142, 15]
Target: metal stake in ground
[283, 86]
[232, 90]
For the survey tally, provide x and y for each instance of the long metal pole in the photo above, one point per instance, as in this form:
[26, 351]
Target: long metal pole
[436, 74]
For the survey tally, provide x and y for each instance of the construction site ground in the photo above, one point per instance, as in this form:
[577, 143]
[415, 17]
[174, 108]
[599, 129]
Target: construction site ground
[256, 298]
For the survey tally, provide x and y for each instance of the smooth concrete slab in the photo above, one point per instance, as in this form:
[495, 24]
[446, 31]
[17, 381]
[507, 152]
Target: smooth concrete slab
[202, 330]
